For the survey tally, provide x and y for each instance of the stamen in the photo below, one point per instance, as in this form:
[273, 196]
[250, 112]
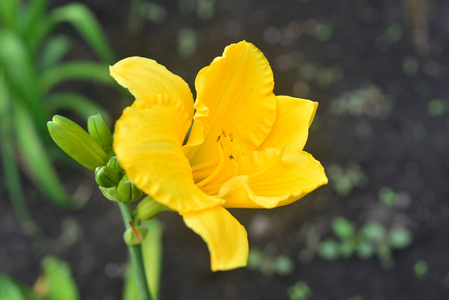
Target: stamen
[215, 172]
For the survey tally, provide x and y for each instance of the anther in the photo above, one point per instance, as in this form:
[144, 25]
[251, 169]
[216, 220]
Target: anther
[224, 133]
[231, 157]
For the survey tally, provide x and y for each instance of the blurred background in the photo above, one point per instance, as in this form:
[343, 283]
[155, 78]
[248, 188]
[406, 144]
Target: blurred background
[379, 70]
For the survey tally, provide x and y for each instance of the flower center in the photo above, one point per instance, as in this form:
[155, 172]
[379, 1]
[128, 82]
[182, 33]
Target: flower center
[229, 146]
[227, 167]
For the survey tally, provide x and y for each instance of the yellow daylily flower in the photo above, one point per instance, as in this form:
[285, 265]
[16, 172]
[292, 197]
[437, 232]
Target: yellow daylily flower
[244, 149]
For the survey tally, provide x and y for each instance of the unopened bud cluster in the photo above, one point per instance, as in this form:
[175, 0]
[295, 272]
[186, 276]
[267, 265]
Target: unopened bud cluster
[93, 149]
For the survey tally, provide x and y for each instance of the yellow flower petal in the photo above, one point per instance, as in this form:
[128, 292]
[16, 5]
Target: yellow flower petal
[225, 237]
[148, 143]
[293, 119]
[146, 78]
[271, 178]
[237, 90]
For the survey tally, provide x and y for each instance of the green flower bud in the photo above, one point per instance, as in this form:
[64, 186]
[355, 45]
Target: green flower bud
[127, 191]
[100, 132]
[148, 208]
[76, 142]
[106, 177]
[113, 163]
[135, 235]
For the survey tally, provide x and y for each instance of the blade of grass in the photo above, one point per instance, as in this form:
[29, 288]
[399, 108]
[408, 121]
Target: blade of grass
[8, 12]
[53, 51]
[19, 72]
[78, 70]
[36, 159]
[79, 104]
[10, 169]
[80, 17]
[32, 13]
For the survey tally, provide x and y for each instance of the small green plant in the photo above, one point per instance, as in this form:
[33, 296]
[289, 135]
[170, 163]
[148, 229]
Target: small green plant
[388, 196]
[55, 282]
[300, 291]
[437, 107]
[369, 100]
[30, 68]
[371, 239]
[346, 179]
[269, 261]
[420, 269]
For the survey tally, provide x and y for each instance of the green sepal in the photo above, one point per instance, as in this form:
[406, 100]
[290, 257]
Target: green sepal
[106, 176]
[76, 142]
[127, 190]
[100, 132]
[148, 208]
[114, 164]
[110, 193]
[135, 235]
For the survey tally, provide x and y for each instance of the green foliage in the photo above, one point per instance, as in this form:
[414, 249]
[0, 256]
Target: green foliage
[420, 269]
[369, 100]
[324, 31]
[9, 290]
[437, 107]
[268, 261]
[56, 280]
[55, 283]
[388, 196]
[346, 179]
[410, 65]
[30, 67]
[371, 239]
[392, 35]
[300, 291]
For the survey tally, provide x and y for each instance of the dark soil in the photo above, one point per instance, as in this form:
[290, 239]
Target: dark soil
[401, 146]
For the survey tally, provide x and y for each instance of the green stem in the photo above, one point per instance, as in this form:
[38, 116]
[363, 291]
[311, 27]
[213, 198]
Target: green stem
[136, 256]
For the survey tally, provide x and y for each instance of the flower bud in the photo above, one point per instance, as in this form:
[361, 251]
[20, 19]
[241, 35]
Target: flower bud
[135, 235]
[148, 208]
[100, 132]
[127, 191]
[106, 177]
[76, 142]
[113, 163]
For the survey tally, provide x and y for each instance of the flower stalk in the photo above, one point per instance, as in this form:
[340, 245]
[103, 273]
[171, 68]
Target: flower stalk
[136, 257]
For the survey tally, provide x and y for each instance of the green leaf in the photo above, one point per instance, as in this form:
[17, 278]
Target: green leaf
[342, 228]
[9, 12]
[329, 250]
[87, 25]
[283, 265]
[76, 103]
[400, 238]
[20, 73]
[54, 50]
[36, 159]
[373, 231]
[58, 279]
[33, 12]
[12, 180]
[9, 289]
[78, 70]
[152, 257]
